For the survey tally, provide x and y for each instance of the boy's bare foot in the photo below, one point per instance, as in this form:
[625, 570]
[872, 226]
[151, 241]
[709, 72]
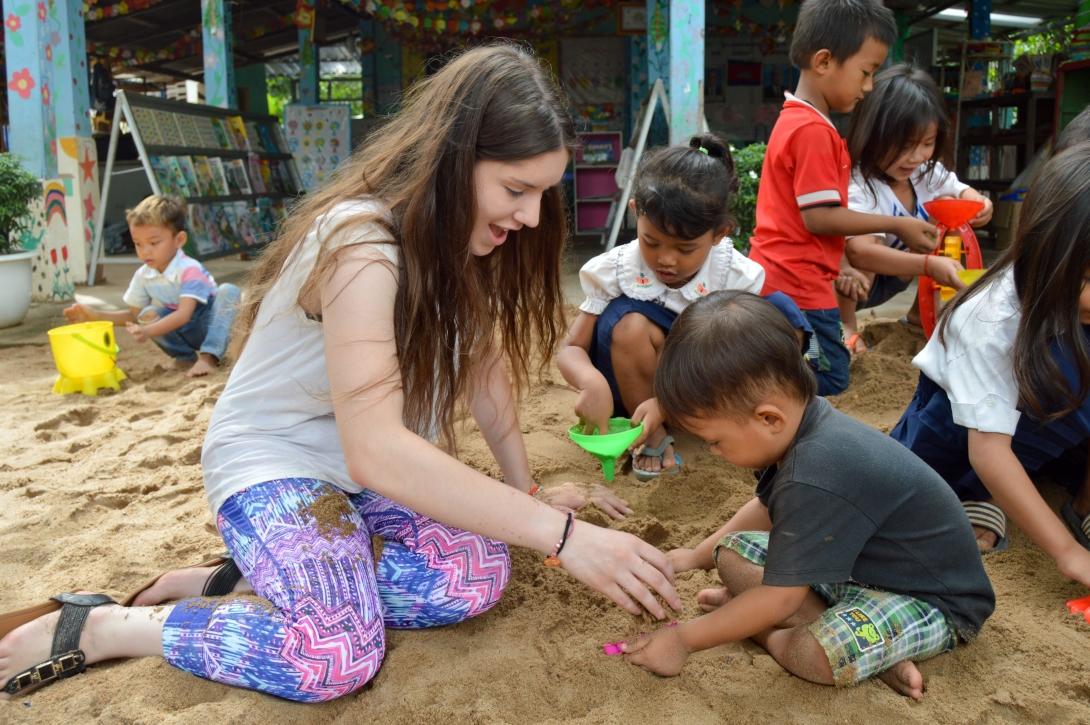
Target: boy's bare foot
[30, 644]
[182, 584]
[654, 464]
[905, 679]
[205, 364]
[711, 599]
[986, 539]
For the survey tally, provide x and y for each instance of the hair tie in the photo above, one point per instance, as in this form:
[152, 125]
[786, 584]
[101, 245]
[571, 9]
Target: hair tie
[703, 151]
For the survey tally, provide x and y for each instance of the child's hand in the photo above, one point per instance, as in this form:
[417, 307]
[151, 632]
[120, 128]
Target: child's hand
[918, 235]
[661, 652]
[594, 406]
[944, 270]
[853, 284]
[650, 414]
[683, 560]
[573, 496]
[1075, 564]
[984, 215]
[79, 313]
[137, 331]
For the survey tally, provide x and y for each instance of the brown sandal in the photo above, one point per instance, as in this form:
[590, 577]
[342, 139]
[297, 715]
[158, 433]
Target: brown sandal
[66, 658]
[220, 582]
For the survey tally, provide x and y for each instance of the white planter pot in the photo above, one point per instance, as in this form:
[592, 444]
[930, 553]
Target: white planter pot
[15, 283]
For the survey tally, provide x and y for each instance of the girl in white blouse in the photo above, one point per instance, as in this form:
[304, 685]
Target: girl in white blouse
[681, 198]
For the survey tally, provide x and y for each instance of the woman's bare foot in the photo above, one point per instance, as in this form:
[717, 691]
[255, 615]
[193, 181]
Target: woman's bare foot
[182, 584]
[986, 539]
[205, 364]
[711, 599]
[905, 679]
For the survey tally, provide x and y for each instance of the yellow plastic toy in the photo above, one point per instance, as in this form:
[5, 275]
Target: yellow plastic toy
[86, 358]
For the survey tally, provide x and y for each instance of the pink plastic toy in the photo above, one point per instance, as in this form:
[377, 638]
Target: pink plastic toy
[613, 648]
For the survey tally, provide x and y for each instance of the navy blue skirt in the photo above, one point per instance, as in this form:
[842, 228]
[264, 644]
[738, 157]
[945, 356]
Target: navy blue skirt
[602, 340]
[1057, 449]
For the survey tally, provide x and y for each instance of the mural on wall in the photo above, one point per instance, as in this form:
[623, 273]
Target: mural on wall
[28, 51]
[48, 235]
[77, 163]
[594, 75]
[72, 99]
[219, 75]
[319, 139]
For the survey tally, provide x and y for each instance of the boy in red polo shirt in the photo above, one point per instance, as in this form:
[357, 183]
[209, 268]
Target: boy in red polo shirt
[802, 202]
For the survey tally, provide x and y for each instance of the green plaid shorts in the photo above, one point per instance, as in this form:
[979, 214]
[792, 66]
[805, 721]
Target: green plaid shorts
[864, 631]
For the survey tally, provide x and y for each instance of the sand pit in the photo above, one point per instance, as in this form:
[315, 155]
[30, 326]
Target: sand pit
[101, 493]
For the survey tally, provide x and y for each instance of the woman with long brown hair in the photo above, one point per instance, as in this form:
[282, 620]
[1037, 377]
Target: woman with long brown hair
[401, 292]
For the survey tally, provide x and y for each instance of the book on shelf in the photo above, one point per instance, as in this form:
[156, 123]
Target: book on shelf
[188, 174]
[237, 182]
[205, 184]
[169, 132]
[256, 179]
[187, 128]
[144, 118]
[224, 140]
[207, 133]
[219, 176]
[237, 129]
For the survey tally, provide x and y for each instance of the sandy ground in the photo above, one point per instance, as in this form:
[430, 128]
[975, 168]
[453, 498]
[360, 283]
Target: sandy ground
[103, 492]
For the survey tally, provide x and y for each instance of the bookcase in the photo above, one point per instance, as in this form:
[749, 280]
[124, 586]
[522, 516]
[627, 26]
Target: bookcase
[595, 185]
[233, 169]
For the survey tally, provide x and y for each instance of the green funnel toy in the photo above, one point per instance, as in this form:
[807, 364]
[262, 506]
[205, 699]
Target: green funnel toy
[607, 447]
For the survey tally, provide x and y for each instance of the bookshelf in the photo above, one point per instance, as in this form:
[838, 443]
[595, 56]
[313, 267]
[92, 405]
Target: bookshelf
[998, 136]
[595, 185]
[233, 169]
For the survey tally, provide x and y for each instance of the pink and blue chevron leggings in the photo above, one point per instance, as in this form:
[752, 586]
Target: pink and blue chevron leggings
[324, 634]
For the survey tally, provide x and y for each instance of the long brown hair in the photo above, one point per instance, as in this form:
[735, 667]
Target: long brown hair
[1050, 257]
[493, 102]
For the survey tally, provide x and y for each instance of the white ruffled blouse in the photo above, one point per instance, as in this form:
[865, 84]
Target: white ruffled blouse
[622, 270]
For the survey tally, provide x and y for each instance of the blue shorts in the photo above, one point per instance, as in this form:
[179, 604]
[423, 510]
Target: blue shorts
[602, 340]
[882, 289]
[827, 355]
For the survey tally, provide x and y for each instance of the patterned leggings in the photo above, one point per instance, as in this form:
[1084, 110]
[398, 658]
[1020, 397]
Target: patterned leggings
[315, 630]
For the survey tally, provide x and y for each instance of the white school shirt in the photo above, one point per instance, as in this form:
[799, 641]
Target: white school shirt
[274, 418]
[183, 277]
[622, 270]
[975, 365]
[878, 197]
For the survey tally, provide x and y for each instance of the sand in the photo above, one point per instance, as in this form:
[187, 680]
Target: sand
[101, 493]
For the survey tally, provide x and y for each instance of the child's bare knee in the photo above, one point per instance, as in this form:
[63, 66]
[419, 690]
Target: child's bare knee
[799, 652]
[735, 571]
[633, 330]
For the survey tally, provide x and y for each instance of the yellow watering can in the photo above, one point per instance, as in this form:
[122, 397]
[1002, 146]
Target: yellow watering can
[86, 358]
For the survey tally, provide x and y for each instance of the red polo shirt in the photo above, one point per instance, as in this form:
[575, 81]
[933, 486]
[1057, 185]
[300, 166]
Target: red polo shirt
[806, 164]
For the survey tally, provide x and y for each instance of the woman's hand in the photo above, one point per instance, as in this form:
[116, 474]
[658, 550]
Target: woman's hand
[650, 414]
[627, 570]
[574, 496]
[594, 406]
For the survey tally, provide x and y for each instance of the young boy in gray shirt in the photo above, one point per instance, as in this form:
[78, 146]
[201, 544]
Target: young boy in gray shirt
[854, 559]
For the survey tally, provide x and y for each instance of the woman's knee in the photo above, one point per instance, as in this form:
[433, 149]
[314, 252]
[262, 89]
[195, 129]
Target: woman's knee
[334, 651]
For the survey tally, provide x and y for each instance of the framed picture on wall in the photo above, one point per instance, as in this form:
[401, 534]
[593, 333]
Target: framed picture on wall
[632, 18]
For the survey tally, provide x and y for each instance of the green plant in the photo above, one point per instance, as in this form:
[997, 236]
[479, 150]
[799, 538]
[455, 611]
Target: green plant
[747, 168]
[18, 187]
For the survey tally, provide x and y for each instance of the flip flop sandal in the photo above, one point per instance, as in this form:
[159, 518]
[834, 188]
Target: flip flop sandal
[1079, 525]
[656, 452]
[852, 341]
[220, 582]
[65, 657]
[987, 515]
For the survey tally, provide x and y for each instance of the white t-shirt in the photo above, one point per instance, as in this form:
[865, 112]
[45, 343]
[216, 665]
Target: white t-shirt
[878, 197]
[275, 416]
[622, 270]
[975, 366]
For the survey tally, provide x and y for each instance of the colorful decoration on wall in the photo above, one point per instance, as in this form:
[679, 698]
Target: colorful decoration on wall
[319, 139]
[48, 235]
[101, 9]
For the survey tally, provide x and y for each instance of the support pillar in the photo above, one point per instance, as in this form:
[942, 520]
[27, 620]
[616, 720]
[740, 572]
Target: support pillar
[306, 15]
[686, 88]
[980, 19]
[219, 59]
[368, 65]
[28, 54]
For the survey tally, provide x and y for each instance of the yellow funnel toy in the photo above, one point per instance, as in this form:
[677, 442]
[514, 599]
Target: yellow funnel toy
[86, 358]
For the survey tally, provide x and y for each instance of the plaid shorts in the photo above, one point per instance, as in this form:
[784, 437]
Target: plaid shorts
[864, 631]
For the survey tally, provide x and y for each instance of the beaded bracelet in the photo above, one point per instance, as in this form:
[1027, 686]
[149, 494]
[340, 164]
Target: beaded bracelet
[553, 559]
[535, 490]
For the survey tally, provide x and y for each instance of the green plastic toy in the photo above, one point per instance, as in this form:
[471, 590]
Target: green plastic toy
[606, 448]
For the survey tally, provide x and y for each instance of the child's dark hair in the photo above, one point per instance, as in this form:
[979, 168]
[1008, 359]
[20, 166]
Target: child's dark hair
[1050, 257]
[894, 116]
[685, 190]
[841, 27]
[160, 211]
[1076, 131]
[724, 353]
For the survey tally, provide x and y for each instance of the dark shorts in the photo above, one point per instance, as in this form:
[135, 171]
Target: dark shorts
[883, 289]
[602, 340]
[826, 354]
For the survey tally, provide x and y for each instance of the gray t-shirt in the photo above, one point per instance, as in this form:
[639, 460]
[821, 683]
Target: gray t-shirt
[848, 503]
